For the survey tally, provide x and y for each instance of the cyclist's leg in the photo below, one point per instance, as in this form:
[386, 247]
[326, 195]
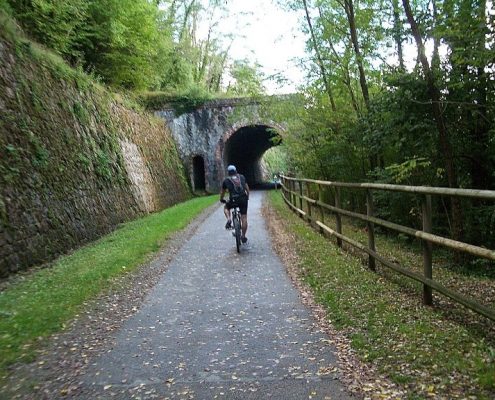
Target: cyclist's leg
[244, 224]
[226, 211]
[243, 210]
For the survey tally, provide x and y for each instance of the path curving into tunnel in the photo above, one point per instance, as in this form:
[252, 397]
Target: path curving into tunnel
[245, 147]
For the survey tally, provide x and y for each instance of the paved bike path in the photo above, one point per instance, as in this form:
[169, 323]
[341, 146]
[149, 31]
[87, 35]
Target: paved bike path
[219, 325]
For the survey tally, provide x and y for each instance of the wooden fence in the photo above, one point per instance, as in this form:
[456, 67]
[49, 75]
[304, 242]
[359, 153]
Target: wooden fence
[297, 193]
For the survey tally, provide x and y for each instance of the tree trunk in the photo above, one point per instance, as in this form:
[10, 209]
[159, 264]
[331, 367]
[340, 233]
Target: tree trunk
[435, 59]
[344, 66]
[481, 169]
[349, 10]
[351, 19]
[203, 62]
[187, 13]
[319, 59]
[398, 34]
[348, 83]
[218, 79]
[346, 78]
[444, 138]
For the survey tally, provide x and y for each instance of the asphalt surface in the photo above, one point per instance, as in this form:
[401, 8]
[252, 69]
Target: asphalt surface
[219, 325]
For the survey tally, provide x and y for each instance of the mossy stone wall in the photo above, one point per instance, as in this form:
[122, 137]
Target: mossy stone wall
[74, 161]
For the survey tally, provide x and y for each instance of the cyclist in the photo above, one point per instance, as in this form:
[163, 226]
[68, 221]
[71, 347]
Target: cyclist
[238, 190]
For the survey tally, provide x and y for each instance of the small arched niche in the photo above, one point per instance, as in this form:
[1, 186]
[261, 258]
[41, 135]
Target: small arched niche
[199, 179]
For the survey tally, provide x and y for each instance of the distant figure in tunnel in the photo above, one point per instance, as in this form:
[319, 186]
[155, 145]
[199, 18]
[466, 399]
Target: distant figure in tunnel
[238, 190]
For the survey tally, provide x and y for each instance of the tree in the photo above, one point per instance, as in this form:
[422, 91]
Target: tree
[125, 42]
[59, 25]
[397, 33]
[463, 27]
[444, 137]
[248, 79]
[319, 58]
[195, 61]
[349, 10]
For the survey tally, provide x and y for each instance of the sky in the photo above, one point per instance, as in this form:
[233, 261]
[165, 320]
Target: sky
[267, 35]
[272, 37]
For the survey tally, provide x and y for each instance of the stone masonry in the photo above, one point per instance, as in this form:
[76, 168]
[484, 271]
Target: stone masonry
[222, 132]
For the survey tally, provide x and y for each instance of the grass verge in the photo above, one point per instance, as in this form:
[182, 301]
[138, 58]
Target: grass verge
[43, 302]
[428, 355]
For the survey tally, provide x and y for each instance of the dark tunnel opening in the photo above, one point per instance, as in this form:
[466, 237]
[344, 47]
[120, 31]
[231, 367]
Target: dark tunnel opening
[245, 149]
[199, 179]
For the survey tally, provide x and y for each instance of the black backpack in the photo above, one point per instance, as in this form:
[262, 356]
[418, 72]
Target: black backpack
[239, 189]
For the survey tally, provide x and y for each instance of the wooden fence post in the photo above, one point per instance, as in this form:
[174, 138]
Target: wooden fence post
[300, 195]
[427, 250]
[371, 229]
[308, 204]
[322, 212]
[338, 217]
[293, 194]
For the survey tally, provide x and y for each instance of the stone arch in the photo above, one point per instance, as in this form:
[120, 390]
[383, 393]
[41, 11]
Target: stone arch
[198, 172]
[244, 145]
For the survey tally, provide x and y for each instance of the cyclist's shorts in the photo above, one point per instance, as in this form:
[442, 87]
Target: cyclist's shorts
[242, 204]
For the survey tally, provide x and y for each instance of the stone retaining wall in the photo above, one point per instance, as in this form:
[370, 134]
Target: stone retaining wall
[74, 162]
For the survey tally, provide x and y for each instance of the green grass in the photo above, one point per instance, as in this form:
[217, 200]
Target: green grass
[474, 278]
[414, 345]
[42, 303]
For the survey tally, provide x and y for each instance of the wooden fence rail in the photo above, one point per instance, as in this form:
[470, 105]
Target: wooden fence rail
[297, 193]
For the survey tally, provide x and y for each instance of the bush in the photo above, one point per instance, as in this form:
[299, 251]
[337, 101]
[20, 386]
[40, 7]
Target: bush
[182, 102]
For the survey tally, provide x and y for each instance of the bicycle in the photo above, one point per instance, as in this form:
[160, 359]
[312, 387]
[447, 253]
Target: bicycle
[236, 226]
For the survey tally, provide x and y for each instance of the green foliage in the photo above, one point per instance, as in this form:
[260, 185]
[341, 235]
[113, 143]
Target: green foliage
[314, 142]
[275, 161]
[248, 79]
[81, 113]
[177, 71]
[83, 160]
[172, 161]
[103, 164]
[5, 7]
[132, 44]
[42, 303]
[58, 25]
[333, 133]
[10, 169]
[123, 42]
[181, 101]
[3, 212]
[405, 172]
[41, 155]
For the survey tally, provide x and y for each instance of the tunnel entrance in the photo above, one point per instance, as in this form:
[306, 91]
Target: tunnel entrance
[199, 180]
[245, 149]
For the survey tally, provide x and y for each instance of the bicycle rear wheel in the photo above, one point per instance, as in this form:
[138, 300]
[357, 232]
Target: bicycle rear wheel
[237, 231]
